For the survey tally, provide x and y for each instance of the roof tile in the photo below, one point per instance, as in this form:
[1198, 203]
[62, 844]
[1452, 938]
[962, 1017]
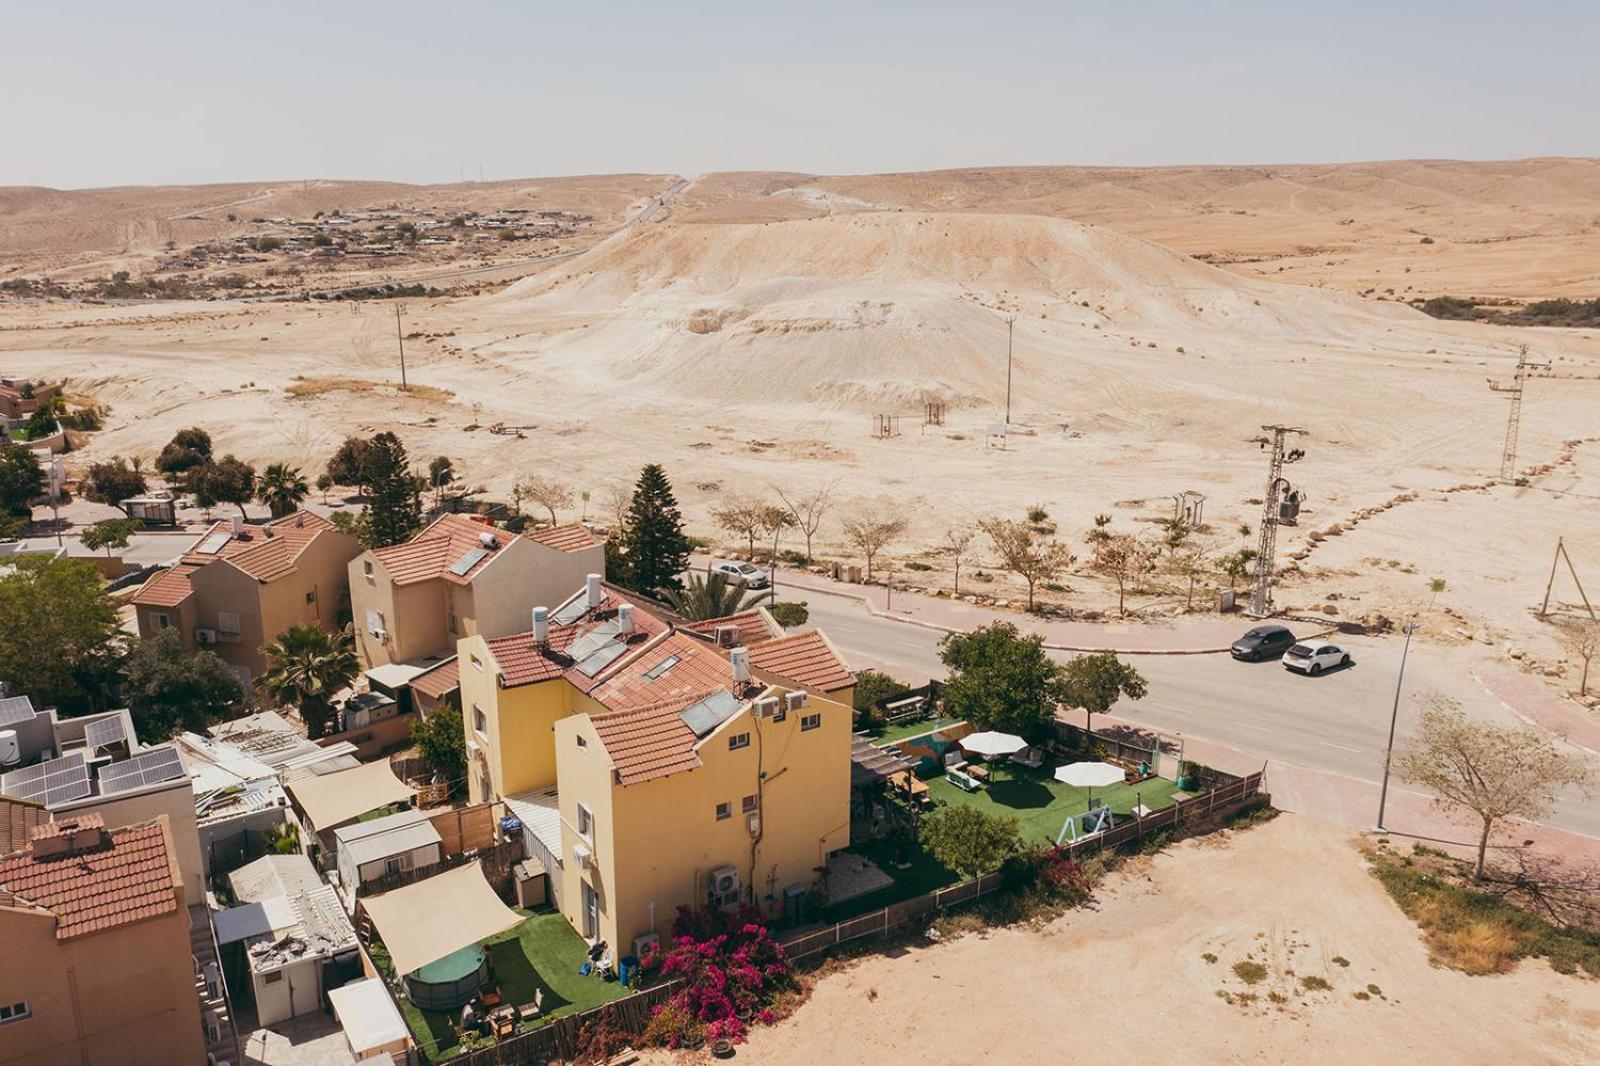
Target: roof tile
[126, 879]
[807, 659]
[432, 552]
[568, 538]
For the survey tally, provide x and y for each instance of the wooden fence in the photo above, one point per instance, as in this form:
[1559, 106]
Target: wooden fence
[558, 1041]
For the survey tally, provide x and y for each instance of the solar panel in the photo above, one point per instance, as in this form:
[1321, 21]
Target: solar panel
[601, 659]
[147, 768]
[469, 560]
[67, 776]
[710, 712]
[571, 612]
[661, 667]
[214, 543]
[592, 641]
[104, 733]
[14, 709]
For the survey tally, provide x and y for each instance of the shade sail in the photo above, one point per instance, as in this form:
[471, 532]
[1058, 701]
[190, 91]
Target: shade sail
[992, 743]
[440, 914]
[333, 799]
[368, 1015]
[1090, 774]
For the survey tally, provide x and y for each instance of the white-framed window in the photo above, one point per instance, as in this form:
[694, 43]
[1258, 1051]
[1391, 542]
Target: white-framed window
[738, 740]
[480, 721]
[228, 622]
[810, 721]
[586, 823]
[366, 568]
[374, 622]
[750, 804]
[160, 621]
[724, 811]
[477, 663]
[397, 864]
[14, 1012]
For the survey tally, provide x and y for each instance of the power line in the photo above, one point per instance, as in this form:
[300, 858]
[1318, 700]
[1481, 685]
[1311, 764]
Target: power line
[1282, 507]
[1508, 453]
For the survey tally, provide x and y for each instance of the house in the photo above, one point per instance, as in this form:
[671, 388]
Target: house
[651, 768]
[20, 397]
[95, 953]
[460, 577]
[288, 942]
[240, 586]
[383, 847]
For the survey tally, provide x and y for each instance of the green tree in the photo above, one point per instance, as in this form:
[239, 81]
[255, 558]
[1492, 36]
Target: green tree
[225, 480]
[969, 841]
[169, 690]
[349, 463]
[187, 449]
[112, 482]
[59, 638]
[395, 510]
[110, 533]
[440, 740]
[22, 479]
[441, 473]
[1002, 680]
[324, 483]
[710, 596]
[655, 545]
[357, 524]
[306, 666]
[43, 421]
[872, 686]
[1095, 682]
[790, 613]
[282, 489]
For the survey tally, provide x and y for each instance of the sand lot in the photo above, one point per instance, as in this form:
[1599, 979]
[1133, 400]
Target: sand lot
[1127, 980]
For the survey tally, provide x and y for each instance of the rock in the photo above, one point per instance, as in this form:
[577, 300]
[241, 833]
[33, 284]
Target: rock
[1515, 653]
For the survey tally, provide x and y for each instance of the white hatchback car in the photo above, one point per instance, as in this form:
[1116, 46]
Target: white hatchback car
[1314, 656]
[746, 574]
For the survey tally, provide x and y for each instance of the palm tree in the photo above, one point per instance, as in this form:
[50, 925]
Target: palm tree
[282, 489]
[710, 596]
[306, 665]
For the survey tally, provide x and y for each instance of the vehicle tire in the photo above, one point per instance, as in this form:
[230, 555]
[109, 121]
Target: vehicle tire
[1316, 668]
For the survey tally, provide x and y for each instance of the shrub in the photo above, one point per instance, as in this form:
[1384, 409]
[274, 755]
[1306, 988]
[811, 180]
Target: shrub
[790, 614]
[1250, 972]
[730, 968]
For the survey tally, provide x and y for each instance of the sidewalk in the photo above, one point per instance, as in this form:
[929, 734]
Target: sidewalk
[1530, 698]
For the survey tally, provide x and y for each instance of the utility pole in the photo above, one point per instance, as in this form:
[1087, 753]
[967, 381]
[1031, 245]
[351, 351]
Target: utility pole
[1508, 454]
[1281, 507]
[1011, 323]
[1394, 719]
[400, 338]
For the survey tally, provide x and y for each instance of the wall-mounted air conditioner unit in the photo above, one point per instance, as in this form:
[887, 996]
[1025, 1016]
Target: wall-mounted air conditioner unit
[642, 944]
[766, 706]
[205, 636]
[727, 636]
[381, 636]
[581, 855]
[794, 701]
[723, 885]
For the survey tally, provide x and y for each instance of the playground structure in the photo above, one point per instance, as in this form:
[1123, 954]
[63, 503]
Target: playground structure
[885, 426]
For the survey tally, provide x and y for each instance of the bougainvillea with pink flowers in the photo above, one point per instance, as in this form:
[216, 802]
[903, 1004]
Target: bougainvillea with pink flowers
[731, 969]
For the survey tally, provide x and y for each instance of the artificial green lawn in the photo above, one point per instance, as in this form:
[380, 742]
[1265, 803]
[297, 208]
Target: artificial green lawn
[1042, 803]
[543, 952]
[906, 730]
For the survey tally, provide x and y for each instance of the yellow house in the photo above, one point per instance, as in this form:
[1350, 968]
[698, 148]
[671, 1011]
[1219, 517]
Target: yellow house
[654, 768]
[240, 586]
[460, 577]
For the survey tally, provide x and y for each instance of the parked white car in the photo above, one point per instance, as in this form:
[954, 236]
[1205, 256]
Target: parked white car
[1314, 656]
[747, 574]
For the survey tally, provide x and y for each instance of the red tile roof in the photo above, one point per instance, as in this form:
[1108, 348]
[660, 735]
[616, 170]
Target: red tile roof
[438, 681]
[265, 552]
[754, 626]
[568, 538]
[431, 553]
[523, 663]
[18, 819]
[167, 588]
[697, 673]
[127, 878]
[648, 742]
[807, 659]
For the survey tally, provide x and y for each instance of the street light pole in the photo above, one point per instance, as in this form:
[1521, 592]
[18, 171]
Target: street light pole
[1011, 324]
[1394, 718]
[400, 338]
[772, 563]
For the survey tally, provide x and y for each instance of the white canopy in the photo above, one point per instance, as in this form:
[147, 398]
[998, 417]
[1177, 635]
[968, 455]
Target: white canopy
[1090, 774]
[368, 1015]
[436, 916]
[992, 743]
[333, 799]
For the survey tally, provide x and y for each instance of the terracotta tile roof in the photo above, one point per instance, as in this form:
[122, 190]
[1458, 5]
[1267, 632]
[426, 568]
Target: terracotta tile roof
[431, 553]
[524, 663]
[568, 538]
[754, 626]
[807, 659]
[127, 878]
[648, 742]
[697, 673]
[18, 819]
[166, 588]
[438, 681]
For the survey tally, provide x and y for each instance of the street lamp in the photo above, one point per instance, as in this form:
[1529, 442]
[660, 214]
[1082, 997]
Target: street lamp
[772, 562]
[1394, 718]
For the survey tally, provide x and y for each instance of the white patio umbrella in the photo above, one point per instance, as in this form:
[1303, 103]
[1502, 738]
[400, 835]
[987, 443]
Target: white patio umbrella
[990, 743]
[1087, 775]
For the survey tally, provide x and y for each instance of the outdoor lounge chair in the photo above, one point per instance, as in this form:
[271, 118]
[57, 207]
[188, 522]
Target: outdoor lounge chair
[529, 1011]
[1032, 758]
[965, 782]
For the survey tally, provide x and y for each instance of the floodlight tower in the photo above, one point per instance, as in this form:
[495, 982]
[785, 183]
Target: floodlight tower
[1508, 454]
[1282, 506]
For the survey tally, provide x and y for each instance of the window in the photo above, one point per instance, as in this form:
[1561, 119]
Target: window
[374, 622]
[397, 864]
[582, 742]
[454, 626]
[228, 622]
[366, 568]
[749, 804]
[160, 621]
[477, 664]
[480, 721]
[274, 977]
[14, 1012]
[661, 668]
[586, 823]
[738, 740]
[810, 721]
[724, 811]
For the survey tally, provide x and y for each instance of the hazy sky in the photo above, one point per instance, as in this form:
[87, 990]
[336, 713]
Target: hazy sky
[98, 93]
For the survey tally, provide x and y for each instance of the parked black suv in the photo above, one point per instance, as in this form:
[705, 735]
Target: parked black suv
[1263, 642]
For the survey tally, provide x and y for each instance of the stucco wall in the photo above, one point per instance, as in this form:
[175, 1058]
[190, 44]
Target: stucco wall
[518, 742]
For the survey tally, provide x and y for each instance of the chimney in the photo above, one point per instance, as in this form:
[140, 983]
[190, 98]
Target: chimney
[541, 626]
[70, 836]
[625, 619]
[739, 660]
[238, 525]
[592, 592]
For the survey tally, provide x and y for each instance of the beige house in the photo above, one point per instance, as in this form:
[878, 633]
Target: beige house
[95, 956]
[462, 577]
[240, 586]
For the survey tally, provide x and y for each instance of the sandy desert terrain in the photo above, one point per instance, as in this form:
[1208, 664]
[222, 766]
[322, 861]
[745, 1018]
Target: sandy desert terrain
[1127, 978]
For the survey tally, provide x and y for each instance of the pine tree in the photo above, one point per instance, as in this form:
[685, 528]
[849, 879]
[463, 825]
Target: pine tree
[395, 510]
[657, 550]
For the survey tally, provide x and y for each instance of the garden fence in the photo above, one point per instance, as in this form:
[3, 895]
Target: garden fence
[559, 1041]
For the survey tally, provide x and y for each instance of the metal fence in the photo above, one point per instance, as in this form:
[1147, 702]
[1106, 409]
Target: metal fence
[561, 1040]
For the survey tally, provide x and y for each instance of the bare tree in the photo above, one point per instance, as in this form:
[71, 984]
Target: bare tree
[547, 492]
[1582, 639]
[1487, 771]
[869, 531]
[1126, 559]
[1026, 553]
[959, 542]
[807, 509]
[619, 501]
[745, 517]
[1192, 563]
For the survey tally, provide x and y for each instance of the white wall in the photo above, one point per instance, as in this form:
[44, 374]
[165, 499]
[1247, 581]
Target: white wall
[299, 992]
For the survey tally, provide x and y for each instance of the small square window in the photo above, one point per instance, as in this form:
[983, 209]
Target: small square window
[228, 622]
[810, 721]
[585, 823]
[311, 597]
[14, 1012]
[480, 721]
[738, 740]
[160, 621]
[749, 804]
[366, 568]
[724, 811]
[582, 742]
[780, 714]
[477, 663]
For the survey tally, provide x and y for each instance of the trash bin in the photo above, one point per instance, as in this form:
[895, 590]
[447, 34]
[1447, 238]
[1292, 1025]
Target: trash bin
[627, 968]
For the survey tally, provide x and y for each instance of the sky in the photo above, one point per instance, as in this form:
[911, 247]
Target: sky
[99, 94]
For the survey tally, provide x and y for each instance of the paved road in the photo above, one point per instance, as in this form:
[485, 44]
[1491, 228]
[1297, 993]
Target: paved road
[1337, 723]
[144, 549]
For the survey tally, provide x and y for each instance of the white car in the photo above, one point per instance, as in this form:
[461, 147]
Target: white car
[747, 574]
[1314, 656]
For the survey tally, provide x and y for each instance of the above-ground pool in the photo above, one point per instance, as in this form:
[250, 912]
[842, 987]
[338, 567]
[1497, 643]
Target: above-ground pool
[447, 983]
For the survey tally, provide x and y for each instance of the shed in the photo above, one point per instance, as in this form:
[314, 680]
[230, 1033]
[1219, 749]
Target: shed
[368, 851]
[371, 1022]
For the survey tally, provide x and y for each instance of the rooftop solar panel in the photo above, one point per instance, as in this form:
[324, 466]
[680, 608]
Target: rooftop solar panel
[592, 641]
[571, 611]
[710, 712]
[214, 543]
[104, 733]
[469, 560]
[66, 774]
[147, 768]
[601, 659]
[14, 709]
